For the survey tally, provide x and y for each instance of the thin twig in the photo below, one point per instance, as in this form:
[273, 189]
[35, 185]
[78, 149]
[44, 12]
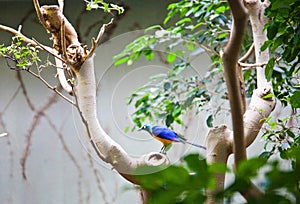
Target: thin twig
[63, 39]
[51, 51]
[96, 42]
[15, 32]
[38, 12]
[247, 54]
[51, 87]
[247, 66]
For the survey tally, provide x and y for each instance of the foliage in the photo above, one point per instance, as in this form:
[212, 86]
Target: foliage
[280, 136]
[202, 26]
[205, 25]
[201, 23]
[19, 55]
[181, 184]
[204, 22]
[283, 32]
[280, 185]
[106, 7]
[167, 99]
[188, 183]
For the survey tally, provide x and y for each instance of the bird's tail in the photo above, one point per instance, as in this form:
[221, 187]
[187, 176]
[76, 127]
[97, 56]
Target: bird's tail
[196, 145]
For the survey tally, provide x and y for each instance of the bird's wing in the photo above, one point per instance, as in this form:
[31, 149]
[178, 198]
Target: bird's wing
[166, 133]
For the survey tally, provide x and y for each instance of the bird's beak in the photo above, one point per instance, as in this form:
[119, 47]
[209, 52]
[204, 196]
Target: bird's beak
[140, 129]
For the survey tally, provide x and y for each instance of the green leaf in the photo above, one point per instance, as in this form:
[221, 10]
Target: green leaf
[209, 121]
[268, 96]
[144, 99]
[169, 120]
[218, 168]
[167, 86]
[154, 27]
[222, 36]
[295, 99]
[148, 54]
[184, 20]
[249, 168]
[266, 45]
[269, 68]
[176, 112]
[195, 163]
[126, 130]
[272, 30]
[129, 62]
[121, 61]
[190, 46]
[266, 154]
[171, 57]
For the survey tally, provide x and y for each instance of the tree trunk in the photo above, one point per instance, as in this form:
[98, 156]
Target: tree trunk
[221, 142]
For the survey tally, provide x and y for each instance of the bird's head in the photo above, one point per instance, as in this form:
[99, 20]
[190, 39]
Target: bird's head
[147, 127]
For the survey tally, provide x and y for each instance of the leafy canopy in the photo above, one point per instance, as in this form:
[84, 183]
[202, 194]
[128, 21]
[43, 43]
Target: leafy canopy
[199, 26]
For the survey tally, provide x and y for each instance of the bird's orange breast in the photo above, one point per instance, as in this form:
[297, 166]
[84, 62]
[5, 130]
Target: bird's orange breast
[164, 141]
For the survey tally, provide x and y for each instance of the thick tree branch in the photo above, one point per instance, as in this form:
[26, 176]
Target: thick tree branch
[107, 149]
[81, 62]
[218, 148]
[260, 107]
[258, 20]
[245, 131]
[230, 58]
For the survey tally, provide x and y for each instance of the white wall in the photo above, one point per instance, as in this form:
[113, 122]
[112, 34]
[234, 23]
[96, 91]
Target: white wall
[56, 174]
[59, 175]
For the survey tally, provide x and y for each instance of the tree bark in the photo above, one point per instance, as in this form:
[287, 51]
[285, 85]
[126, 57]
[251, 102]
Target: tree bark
[68, 50]
[221, 142]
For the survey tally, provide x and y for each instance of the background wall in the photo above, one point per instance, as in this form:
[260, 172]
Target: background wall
[45, 131]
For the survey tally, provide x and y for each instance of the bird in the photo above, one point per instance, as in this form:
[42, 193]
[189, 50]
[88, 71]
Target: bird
[166, 136]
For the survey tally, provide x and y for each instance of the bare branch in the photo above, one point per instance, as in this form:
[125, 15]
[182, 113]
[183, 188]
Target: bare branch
[247, 54]
[15, 32]
[51, 87]
[51, 51]
[102, 30]
[39, 13]
[63, 39]
[61, 5]
[96, 42]
[246, 66]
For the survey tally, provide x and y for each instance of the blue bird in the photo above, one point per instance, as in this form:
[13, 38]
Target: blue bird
[166, 136]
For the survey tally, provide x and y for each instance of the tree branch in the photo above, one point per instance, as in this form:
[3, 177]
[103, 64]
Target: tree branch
[247, 54]
[258, 20]
[96, 42]
[220, 141]
[107, 149]
[230, 58]
[260, 107]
